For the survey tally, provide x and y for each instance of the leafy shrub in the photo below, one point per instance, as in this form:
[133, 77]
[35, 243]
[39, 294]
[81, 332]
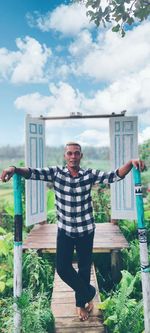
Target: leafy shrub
[129, 229]
[37, 272]
[131, 257]
[122, 312]
[6, 262]
[101, 203]
[51, 211]
[35, 312]
[6, 315]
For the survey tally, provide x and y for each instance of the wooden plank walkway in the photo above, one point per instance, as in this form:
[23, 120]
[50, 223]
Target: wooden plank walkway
[108, 237]
[64, 310]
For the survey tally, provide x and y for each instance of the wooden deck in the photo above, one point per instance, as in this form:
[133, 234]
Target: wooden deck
[108, 237]
[64, 310]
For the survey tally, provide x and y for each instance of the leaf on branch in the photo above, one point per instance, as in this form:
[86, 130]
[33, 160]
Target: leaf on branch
[130, 20]
[117, 18]
[107, 18]
[90, 13]
[122, 33]
[116, 28]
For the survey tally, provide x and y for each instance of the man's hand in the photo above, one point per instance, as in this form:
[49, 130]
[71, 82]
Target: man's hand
[125, 169]
[139, 164]
[7, 174]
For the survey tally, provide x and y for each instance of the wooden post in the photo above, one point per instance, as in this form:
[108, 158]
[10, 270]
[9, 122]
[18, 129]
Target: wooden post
[145, 267]
[17, 250]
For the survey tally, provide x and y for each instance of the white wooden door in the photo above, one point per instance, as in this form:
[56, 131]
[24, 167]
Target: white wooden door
[35, 158]
[124, 146]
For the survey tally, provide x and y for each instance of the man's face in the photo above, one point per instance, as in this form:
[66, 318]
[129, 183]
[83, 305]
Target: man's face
[73, 156]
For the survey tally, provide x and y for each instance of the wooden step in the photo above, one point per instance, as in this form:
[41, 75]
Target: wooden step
[64, 310]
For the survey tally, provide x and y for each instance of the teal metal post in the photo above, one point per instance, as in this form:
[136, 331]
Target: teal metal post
[17, 250]
[145, 267]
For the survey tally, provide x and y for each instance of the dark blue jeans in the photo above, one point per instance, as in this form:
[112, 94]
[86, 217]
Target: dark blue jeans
[78, 281]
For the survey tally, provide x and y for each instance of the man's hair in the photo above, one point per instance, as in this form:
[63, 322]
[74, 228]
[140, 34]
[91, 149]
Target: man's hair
[72, 144]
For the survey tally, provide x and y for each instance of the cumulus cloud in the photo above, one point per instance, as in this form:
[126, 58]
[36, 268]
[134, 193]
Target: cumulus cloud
[7, 62]
[35, 104]
[64, 99]
[130, 94]
[115, 57]
[82, 44]
[27, 64]
[92, 137]
[64, 19]
[32, 61]
[144, 135]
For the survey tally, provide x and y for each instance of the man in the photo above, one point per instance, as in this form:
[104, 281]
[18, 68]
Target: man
[72, 186]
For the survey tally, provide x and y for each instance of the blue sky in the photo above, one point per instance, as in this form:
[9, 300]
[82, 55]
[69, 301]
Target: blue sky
[53, 62]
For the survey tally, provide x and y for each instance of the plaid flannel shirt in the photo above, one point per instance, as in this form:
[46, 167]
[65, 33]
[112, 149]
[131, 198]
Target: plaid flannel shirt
[73, 196]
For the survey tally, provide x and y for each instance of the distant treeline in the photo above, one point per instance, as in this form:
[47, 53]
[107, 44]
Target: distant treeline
[56, 153]
[9, 152]
[18, 152]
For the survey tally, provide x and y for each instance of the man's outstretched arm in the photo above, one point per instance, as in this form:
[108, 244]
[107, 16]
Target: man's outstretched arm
[8, 173]
[126, 168]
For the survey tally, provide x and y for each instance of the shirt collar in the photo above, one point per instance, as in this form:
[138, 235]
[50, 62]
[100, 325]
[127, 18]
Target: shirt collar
[80, 173]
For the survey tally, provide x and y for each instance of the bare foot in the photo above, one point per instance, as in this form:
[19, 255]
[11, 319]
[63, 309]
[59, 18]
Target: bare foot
[82, 313]
[89, 307]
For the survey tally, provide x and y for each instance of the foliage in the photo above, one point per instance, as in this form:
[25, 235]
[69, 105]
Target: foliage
[122, 312]
[35, 310]
[34, 302]
[129, 229]
[51, 211]
[6, 315]
[122, 13]
[7, 216]
[37, 272]
[131, 257]
[144, 152]
[101, 203]
[6, 262]
[36, 314]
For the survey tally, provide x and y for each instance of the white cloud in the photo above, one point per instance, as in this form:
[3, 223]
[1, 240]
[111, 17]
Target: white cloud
[32, 61]
[144, 135]
[35, 104]
[115, 57]
[92, 137]
[7, 61]
[27, 64]
[82, 44]
[67, 19]
[64, 99]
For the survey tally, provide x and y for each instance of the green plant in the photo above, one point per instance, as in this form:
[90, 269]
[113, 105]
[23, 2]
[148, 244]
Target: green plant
[101, 203]
[51, 211]
[6, 261]
[131, 257]
[129, 229]
[37, 272]
[6, 315]
[7, 216]
[122, 312]
[36, 313]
